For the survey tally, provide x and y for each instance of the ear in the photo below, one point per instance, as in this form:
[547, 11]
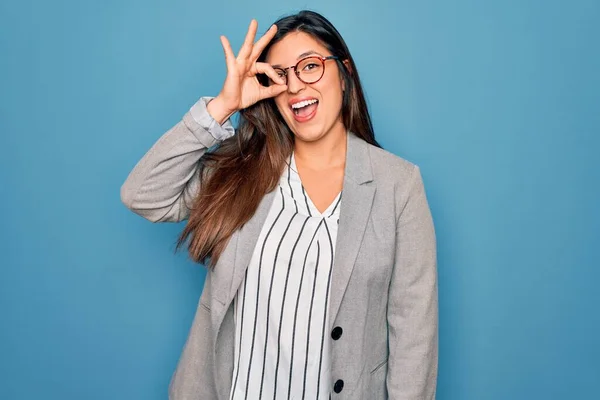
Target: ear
[346, 63]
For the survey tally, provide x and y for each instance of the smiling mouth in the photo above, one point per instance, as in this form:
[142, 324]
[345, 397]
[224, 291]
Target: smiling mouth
[305, 108]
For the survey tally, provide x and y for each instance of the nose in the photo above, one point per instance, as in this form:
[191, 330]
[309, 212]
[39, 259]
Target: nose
[294, 84]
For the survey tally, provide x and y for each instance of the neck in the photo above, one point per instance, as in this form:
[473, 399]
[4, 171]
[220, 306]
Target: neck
[325, 153]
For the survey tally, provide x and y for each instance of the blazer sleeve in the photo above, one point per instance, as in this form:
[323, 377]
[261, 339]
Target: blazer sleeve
[163, 184]
[412, 313]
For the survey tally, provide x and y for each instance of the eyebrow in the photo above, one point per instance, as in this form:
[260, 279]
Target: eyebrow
[305, 54]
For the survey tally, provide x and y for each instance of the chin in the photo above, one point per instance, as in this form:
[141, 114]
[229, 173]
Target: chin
[308, 134]
[308, 138]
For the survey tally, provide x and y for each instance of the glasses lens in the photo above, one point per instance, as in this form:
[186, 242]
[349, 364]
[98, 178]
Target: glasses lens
[280, 73]
[268, 81]
[310, 69]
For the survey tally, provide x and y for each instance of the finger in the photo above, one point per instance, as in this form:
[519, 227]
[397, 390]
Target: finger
[264, 68]
[229, 56]
[271, 91]
[260, 45]
[246, 49]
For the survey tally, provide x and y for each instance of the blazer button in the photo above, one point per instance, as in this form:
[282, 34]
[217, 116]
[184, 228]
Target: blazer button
[336, 333]
[338, 386]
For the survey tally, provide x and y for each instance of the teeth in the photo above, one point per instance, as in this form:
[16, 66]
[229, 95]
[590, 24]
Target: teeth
[303, 104]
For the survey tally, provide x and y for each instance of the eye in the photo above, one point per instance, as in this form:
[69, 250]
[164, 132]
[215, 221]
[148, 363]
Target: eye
[310, 66]
[280, 73]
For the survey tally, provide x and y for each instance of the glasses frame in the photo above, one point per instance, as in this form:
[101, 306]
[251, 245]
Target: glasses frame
[297, 73]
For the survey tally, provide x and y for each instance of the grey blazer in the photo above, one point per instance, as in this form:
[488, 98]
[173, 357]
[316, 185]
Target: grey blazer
[384, 283]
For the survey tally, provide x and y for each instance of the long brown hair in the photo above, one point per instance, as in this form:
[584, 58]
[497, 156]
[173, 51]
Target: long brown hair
[242, 169]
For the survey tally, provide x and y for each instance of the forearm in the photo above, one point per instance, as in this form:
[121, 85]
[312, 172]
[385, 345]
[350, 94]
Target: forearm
[163, 184]
[413, 302]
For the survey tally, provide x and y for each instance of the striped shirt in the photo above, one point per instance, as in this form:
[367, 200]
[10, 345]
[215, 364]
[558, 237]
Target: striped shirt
[281, 308]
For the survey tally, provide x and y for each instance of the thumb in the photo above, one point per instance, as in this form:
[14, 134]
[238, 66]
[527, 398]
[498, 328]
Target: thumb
[272, 91]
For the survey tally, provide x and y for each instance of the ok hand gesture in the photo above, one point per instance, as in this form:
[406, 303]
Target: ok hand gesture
[242, 88]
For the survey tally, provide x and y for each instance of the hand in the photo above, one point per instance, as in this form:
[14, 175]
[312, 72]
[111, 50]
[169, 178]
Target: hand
[242, 88]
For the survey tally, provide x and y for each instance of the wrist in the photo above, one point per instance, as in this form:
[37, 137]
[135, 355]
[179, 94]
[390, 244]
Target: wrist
[218, 111]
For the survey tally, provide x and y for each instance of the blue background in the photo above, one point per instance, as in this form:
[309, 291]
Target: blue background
[497, 101]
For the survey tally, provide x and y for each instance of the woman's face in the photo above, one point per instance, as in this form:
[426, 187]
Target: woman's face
[321, 102]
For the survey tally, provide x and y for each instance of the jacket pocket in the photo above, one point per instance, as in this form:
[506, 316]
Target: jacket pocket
[377, 381]
[206, 307]
[379, 366]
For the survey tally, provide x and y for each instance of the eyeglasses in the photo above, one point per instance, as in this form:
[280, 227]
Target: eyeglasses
[308, 70]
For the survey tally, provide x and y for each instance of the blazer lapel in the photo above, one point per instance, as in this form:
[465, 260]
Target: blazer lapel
[248, 236]
[357, 199]
[224, 280]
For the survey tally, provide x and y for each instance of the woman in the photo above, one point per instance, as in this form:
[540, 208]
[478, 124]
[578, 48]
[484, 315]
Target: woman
[322, 280]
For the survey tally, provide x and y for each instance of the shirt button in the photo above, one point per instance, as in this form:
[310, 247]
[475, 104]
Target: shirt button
[336, 333]
[338, 386]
